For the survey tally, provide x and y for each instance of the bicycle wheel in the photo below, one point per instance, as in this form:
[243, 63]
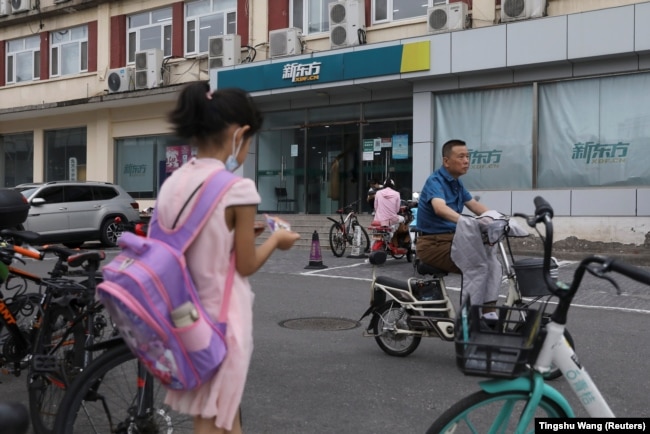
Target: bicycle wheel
[387, 320]
[116, 395]
[482, 412]
[337, 240]
[365, 239]
[58, 357]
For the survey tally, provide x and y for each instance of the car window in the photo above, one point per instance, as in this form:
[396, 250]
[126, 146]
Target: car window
[27, 191]
[104, 193]
[78, 193]
[52, 194]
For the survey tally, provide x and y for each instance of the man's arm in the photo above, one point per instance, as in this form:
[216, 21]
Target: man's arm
[476, 207]
[443, 211]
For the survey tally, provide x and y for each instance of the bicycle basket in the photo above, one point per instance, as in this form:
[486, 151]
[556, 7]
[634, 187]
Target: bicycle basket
[499, 348]
[530, 278]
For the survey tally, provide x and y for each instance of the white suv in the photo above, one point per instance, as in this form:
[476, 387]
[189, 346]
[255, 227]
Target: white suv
[72, 212]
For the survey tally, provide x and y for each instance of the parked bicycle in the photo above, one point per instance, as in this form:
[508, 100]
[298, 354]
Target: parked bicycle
[116, 394]
[20, 307]
[518, 356]
[343, 230]
[404, 312]
[63, 319]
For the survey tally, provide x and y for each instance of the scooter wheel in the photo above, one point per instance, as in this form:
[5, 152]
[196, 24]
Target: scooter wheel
[388, 320]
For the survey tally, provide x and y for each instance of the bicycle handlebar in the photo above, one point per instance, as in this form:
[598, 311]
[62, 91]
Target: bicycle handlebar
[544, 214]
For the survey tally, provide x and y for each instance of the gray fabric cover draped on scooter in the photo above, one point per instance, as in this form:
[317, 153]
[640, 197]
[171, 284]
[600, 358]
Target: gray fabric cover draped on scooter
[481, 268]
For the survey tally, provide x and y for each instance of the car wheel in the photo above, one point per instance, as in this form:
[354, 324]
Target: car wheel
[109, 232]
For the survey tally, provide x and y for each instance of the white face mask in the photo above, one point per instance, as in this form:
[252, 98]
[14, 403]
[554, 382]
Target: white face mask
[231, 162]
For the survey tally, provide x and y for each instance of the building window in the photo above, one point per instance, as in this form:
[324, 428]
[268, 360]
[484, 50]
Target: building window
[207, 18]
[69, 51]
[393, 10]
[143, 163]
[311, 16]
[594, 132]
[501, 154]
[17, 154]
[65, 154]
[149, 30]
[23, 59]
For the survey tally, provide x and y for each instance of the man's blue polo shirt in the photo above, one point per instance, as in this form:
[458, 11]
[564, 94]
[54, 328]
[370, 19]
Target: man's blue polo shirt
[440, 184]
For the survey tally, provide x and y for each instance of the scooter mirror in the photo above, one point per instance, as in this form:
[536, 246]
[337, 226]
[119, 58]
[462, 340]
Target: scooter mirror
[377, 258]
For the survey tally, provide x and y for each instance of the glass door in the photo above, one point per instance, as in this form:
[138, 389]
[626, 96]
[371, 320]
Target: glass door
[332, 167]
[280, 170]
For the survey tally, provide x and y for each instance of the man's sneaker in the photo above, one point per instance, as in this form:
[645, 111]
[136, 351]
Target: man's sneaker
[489, 320]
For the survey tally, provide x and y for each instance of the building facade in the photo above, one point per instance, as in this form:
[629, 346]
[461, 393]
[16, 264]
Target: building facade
[551, 97]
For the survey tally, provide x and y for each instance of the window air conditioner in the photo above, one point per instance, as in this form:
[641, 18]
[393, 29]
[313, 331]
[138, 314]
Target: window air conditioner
[512, 10]
[224, 50]
[285, 42]
[120, 80]
[447, 17]
[18, 6]
[148, 68]
[5, 7]
[347, 19]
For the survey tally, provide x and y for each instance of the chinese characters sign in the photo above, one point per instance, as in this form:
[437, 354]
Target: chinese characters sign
[299, 72]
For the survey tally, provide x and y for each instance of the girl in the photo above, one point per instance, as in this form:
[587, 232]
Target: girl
[220, 125]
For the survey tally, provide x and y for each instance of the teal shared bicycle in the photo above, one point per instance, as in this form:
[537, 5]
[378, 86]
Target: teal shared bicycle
[516, 355]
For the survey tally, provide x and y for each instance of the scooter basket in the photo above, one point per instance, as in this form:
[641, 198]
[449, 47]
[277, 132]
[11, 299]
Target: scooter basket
[500, 348]
[530, 276]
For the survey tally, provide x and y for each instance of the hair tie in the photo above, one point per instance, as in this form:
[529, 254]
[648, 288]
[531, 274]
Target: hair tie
[209, 95]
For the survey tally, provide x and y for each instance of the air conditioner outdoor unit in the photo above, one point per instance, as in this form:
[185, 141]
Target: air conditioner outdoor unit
[447, 17]
[148, 68]
[347, 18]
[285, 42]
[18, 6]
[5, 7]
[512, 10]
[120, 80]
[224, 50]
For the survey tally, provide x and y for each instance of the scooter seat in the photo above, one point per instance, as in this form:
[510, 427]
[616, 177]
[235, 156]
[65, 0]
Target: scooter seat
[428, 269]
[393, 283]
[377, 227]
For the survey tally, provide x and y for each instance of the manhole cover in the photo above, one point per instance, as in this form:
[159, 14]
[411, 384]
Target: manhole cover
[326, 324]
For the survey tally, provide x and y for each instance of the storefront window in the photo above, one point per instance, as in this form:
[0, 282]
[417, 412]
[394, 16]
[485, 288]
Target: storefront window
[65, 154]
[594, 132]
[17, 164]
[497, 126]
[143, 163]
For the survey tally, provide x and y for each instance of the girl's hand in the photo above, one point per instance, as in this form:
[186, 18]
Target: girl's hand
[285, 239]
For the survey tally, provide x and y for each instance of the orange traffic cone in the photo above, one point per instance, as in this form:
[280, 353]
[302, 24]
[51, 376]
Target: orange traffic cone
[315, 258]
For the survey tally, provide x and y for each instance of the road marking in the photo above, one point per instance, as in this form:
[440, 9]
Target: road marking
[457, 289]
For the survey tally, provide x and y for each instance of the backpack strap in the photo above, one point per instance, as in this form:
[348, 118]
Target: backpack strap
[208, 197]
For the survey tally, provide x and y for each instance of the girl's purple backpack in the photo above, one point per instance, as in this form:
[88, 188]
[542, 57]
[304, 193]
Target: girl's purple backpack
[149, 293]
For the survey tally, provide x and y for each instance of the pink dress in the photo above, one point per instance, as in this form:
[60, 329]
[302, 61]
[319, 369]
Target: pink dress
[207, 259]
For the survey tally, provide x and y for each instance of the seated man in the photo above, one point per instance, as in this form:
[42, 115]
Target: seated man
[440, 205]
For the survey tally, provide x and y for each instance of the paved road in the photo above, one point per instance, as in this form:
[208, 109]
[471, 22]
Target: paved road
[319, 381]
